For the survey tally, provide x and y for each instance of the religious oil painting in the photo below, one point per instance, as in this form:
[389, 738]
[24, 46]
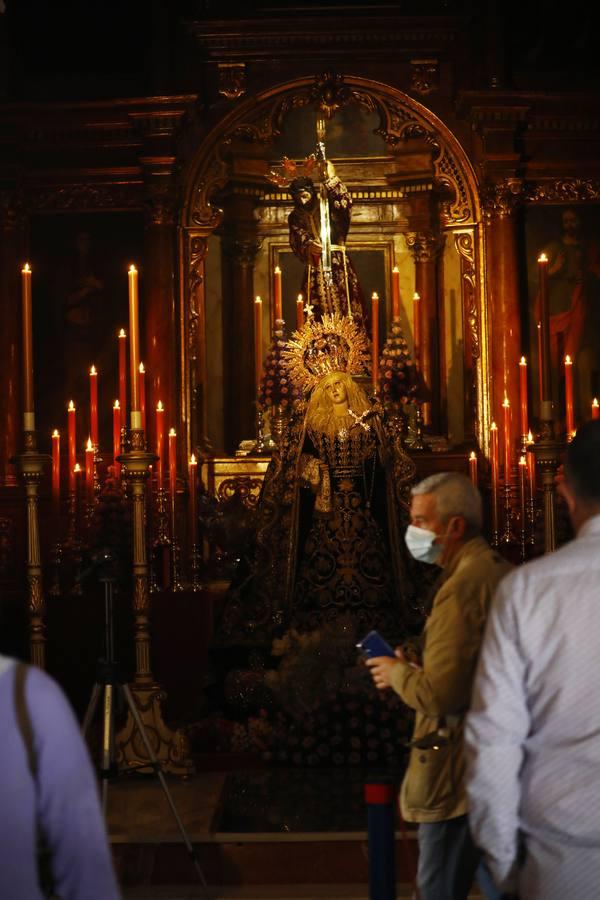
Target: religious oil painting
[570, 238]
[80, 302]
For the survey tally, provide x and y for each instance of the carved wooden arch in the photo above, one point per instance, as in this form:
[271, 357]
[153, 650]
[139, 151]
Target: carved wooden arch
[259, 120]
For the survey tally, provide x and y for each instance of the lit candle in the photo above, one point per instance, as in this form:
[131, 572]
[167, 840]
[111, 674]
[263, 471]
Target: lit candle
[56, 471]
[143, 395]
[277, 294]
[94, 405]
[300, 312]
[395, 292]
[523, 391]
[193, 508]
[72, 431]
[28, 411]
[160, 442]
[173, 464]
[375, 339]
[416, 324]
[77, 488]
[507, 440]
[531, 464]
[89, 470]
[545, 360]
[116, 437]
[494, 463]
[569, 396]
[522, 479]
[134, 348]
[473, 467]
[539, 347]
[258, 341]
[123, 376]
[595, 409]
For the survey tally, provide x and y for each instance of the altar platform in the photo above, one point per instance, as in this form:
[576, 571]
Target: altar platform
[260, 835]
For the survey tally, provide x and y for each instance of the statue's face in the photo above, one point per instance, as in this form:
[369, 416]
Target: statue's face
[336, 389]
[304, 197]
[570, 221]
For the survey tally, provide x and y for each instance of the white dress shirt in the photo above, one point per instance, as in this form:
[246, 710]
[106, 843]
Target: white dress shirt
[533, 732]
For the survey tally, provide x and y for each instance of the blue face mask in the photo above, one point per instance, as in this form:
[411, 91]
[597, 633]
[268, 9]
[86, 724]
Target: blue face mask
[420, 543]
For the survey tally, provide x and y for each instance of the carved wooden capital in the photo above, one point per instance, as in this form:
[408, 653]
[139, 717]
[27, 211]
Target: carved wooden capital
[232, 80]
[242, 251]
[502, 199]
[424, 245]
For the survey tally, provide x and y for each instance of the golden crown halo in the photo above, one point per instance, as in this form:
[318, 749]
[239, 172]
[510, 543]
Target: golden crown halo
[335, 344]
[290, 169]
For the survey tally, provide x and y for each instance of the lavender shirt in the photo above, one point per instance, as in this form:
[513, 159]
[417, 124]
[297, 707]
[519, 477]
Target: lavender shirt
[66, 801]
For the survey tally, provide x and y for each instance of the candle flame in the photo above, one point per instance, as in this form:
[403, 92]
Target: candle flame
[277, 270]
[26, 269]
[568, 360]
[93, 370]
[542, 258]
[506, 401]
[56, 433]
[77, 469]
[493, 427]
[71, 406]
[472, 455]
[595, 401]
[172, 432]
[122, 333]
[142, 369]
[193, 460]
[416, 296]
[523, 361]
[160, 407]
[522, 461]
[116, 405]
[258, 299]
[300, 299]
[529, 438]
[132, 269]
[396, 270]
[374, 296]
[89, 446]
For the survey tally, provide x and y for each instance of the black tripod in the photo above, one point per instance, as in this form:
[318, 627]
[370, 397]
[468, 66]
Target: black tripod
[109, 682]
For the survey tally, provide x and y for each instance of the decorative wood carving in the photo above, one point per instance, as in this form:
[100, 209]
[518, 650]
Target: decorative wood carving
[424, 75]
[197, 254]
[463, 241]
[86, 197]
[565, 190]
[243, 487]
[232, 80]
[502, 199]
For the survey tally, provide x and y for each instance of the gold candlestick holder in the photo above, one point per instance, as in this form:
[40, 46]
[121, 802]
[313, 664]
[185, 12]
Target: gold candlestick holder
[31, 468]
[171, 748]
[508, 536]
[414, 438]
[548, 453]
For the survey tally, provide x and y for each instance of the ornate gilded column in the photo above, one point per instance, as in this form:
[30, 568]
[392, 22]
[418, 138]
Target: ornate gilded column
[31, 467]
[194, 340]
[240, 246]
[500, 204]
[12, 241]
[425, 247]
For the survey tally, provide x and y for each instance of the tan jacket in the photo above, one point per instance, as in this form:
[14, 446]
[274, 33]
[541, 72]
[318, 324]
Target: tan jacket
[433, 787]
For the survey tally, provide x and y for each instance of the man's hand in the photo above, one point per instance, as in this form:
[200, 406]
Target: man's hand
[381, 668]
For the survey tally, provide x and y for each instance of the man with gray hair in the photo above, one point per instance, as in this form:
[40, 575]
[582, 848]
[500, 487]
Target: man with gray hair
[445, 529]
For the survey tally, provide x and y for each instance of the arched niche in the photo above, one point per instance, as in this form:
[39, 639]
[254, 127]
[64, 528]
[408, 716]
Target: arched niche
[416, 205]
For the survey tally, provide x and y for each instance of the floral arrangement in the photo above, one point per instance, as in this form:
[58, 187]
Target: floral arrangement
[398, 375]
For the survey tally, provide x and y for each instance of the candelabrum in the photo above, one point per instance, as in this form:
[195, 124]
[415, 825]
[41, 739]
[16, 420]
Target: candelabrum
[176, 584]
[31, 467]
[414, 438]
[195, 567]
[548, 451]
[495, 538]
[260, 445]
[171, 748]
[508, 535]
[279, 417]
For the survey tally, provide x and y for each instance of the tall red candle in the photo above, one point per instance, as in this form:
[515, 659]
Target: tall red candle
[142, 374]
[569, 397]
[277, 304]
[72, 431]
[193, 501]
[173, 464]
[375, 339]
[299, 312]
[123, 376]
[473, 467]
[416, 324]
[545, 360]
[116, 437]
[134, 348]
[28, 410]
[395, 292]
[595, 409]
[160, 445]
[523, 392]
[89, 470]
[494, 463]
[522, 479]
[56, 470]
[258, 341]
[531, 464]
[94, 405]
[539, 348]
[507, 440]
